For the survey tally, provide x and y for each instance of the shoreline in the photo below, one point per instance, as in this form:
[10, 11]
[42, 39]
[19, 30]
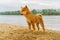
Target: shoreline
[17, 32]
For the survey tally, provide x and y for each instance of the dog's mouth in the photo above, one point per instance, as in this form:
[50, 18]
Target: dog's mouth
[21, 14]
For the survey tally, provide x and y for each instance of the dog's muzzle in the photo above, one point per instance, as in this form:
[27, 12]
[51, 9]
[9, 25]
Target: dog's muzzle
[21, 14]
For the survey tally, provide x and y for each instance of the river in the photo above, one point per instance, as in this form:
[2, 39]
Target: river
[51, 22]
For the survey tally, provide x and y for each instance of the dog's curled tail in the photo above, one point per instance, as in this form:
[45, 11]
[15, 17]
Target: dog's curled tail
[39, 15]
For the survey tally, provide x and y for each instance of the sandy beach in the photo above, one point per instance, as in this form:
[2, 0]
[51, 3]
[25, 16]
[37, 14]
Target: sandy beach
[17, 32]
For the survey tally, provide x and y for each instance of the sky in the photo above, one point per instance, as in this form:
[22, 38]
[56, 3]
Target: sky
[9, 5]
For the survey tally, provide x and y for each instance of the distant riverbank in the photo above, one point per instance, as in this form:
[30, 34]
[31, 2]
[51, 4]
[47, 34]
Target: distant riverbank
[34, 11]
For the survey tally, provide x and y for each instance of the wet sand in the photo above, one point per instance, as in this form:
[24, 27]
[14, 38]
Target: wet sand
[17, 32]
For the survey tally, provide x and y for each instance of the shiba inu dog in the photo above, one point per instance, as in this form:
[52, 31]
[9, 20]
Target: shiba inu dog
[32, 19]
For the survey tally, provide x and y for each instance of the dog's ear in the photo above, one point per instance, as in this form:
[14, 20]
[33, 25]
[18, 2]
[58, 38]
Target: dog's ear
[25, 6]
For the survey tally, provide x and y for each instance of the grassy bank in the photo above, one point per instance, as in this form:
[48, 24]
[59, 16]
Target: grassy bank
[34, 11]
[17, 32]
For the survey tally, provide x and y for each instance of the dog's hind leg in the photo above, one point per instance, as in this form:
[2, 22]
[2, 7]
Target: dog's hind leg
[37, 24]
[42, 24]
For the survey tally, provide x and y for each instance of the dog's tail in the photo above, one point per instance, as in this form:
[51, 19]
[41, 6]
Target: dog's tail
[39, 15]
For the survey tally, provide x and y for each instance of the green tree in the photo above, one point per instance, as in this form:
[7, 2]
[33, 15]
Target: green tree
[34, 11]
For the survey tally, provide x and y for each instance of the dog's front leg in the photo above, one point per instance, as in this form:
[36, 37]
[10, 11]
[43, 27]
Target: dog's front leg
[29, 24]
[33, 26]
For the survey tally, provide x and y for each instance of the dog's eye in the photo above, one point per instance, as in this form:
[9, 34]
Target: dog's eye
[23, 10]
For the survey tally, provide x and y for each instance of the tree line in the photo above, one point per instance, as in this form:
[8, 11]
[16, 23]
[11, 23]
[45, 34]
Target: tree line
[10, 13]
[34, 11]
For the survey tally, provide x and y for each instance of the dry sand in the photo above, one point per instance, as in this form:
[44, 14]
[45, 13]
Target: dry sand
[16, 32]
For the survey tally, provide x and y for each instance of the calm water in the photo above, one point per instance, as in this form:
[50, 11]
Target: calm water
[51, 22]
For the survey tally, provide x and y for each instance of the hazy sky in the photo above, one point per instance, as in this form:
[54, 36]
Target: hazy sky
[7, 5]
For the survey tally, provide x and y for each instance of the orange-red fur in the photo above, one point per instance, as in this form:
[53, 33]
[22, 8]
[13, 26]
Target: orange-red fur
[32, 19]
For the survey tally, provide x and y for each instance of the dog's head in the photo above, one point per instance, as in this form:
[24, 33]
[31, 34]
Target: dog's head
[24, 10]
